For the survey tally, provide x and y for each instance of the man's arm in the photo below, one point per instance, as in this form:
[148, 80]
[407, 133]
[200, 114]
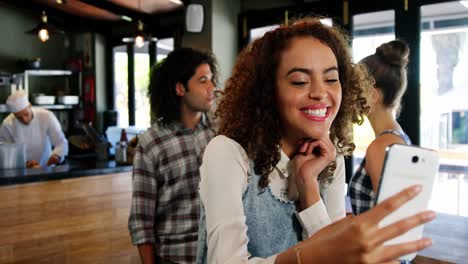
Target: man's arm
[144, 199]
[57, 139]
[5, 134]
[146, 253]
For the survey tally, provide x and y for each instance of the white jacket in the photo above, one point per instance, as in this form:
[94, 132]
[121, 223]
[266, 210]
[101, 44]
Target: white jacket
[43, 132]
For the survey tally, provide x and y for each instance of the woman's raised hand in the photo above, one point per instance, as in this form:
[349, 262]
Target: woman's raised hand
[358, 239]
[311, 159]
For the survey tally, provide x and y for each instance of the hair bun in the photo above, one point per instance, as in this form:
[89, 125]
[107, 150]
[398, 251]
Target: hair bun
[394, 53]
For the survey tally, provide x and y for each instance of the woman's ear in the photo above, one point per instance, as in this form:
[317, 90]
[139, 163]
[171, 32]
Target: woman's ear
[180, 89]
[377, 96]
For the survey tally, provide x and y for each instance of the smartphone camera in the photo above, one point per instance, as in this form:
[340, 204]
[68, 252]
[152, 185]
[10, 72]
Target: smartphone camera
[415, 159]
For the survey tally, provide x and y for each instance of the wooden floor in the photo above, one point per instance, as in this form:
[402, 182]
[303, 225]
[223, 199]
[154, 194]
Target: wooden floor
[80, 220]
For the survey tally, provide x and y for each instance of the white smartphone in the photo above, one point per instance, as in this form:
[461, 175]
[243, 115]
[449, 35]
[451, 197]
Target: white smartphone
[405, 166]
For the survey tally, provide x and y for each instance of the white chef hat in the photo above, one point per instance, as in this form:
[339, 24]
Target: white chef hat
[17, 101]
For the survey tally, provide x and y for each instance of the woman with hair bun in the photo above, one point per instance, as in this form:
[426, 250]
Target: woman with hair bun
[388, 68]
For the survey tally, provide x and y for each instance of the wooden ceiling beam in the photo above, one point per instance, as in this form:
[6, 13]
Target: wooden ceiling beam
[118, 10]
[66, 21]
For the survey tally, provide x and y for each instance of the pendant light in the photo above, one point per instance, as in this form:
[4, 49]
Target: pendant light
[44, 29]
[41, 29]
[140, 36]
[43, 33]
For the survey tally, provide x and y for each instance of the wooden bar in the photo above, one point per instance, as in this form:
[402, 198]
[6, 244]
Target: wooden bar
[80, 220]
[449, 234]
[84, 220]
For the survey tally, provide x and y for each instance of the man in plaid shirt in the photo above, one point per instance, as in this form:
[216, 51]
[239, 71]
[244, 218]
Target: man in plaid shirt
[164, 213]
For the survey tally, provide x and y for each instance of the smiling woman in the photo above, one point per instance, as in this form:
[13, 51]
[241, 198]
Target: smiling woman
[278, 163]
[309, 93]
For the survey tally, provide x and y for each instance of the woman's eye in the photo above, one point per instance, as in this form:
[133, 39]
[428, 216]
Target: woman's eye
[331, 80]
[298, 83]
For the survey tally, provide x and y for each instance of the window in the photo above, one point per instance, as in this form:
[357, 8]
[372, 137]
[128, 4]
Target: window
[444, 93]
[142, 72]
[142, 75]
[256, 33]
[121, 84]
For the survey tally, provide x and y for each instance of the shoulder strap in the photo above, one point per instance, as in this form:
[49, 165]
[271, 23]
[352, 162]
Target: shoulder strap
[399, 133]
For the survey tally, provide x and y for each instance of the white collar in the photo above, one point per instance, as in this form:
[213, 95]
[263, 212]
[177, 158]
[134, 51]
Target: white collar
[282, 165]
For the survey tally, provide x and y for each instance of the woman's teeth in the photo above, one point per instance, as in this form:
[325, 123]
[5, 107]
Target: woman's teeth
[320, 112]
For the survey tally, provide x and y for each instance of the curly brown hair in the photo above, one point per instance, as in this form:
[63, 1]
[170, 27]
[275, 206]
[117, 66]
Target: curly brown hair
[248, 111]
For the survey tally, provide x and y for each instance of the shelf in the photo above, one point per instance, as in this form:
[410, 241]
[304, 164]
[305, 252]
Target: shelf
[23, 78]
[4, 108]
[56, 106]
[47, 73]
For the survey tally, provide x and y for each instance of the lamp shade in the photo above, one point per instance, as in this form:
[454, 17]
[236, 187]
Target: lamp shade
[140, 37]
[44, 29]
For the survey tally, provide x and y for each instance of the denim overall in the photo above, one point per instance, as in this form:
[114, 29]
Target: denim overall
[272, 223]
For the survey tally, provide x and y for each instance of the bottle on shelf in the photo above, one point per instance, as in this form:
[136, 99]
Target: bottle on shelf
[121, 148]
[123, 135]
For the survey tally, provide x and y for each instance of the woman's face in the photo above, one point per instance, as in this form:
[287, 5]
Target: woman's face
[308, 89]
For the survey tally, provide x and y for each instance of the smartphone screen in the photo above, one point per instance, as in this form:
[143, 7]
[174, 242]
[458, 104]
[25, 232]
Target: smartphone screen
[405, 166]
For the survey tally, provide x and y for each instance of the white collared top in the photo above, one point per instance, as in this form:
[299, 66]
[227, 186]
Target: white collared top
[224, 178]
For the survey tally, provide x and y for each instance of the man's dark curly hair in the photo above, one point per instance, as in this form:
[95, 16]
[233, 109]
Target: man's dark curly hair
[248, 111]
[179, 66]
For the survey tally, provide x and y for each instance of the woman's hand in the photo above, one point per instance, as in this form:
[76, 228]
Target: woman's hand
[359, 239]
[311, 159]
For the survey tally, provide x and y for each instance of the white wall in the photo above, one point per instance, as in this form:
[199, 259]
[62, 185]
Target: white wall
[224, 40]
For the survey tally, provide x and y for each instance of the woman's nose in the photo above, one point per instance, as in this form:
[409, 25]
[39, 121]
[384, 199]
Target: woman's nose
[318, 91]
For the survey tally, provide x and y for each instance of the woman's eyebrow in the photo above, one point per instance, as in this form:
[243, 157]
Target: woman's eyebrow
[333, 68]
[296, 69]
[307, 71]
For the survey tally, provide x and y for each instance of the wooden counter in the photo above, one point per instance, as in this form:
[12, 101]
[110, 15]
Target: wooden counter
[84, 220]
[70, 169]
[79, 220]
[449, 234]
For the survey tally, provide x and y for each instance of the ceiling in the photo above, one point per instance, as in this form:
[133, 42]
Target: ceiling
[149, 6]
[113, 10]
[81, 9]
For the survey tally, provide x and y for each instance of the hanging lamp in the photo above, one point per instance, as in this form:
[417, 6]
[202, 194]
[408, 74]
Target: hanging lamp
[43, 30]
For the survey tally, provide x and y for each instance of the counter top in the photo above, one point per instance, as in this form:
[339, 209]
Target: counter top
[70, 169]
[449, 235]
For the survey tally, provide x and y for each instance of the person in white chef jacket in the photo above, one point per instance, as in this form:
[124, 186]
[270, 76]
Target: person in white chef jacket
[37, 128]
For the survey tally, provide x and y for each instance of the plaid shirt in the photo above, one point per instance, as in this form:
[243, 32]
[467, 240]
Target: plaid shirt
[165, 207]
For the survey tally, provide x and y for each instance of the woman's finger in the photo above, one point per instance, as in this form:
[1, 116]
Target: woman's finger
[376, 214]
[392, 252]
[400, 227]
[312, 146]
[304, 147]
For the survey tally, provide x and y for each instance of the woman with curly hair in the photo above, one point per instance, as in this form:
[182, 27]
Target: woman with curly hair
[274, 176]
